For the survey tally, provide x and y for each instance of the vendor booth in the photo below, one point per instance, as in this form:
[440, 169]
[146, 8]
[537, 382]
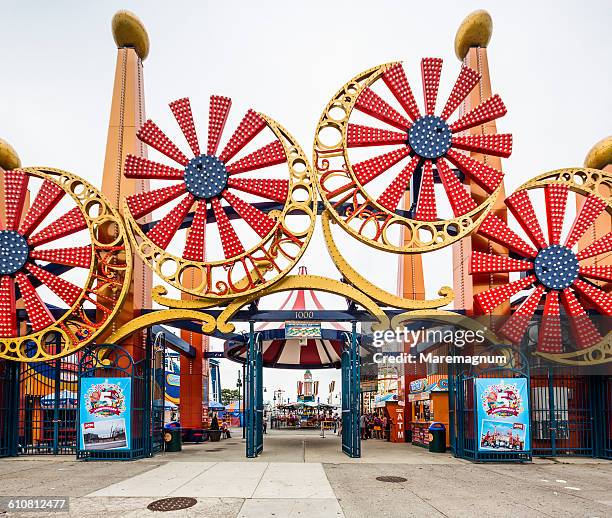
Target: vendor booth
[429, 398]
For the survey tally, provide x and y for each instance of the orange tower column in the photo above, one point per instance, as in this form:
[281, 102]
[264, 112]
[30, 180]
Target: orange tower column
[127, 115]
[410, 285]
[410, 280]
[194, 373]
[471, 42]
[599, 157]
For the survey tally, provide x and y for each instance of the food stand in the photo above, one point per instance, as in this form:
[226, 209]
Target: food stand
[429, 398]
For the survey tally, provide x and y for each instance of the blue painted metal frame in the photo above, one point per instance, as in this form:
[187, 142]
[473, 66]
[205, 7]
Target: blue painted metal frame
[351, 391]
[463, 414]
[254, 395]
[279, 334]
[603, 415]
[121, 364]
[9, 407]
[174, 342]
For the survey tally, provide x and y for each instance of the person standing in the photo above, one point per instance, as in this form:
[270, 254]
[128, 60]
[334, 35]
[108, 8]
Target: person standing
[377, 427]
[388, 428]
[362, 426]
[369, 426]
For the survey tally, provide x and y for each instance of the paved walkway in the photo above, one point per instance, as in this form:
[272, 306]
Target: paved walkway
[267, 488]
[301, 474]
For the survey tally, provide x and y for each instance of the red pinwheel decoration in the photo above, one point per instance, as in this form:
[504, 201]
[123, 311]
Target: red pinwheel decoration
[427, 140]
[562, 286]
[416, 149]
[208, 186]
[19, 250]
[30, 262]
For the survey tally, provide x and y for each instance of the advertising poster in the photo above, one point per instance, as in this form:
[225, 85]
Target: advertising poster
[503, 414]
[302, 329]
[105, 413]
[173, 379]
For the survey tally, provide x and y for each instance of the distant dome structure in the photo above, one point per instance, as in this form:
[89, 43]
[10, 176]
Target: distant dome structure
[297, 353]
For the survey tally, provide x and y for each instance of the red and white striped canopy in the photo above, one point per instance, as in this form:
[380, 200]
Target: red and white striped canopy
[295, 353]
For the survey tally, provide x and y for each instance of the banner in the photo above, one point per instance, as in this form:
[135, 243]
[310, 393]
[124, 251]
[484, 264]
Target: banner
[503, 414]
[302, 329]
[173, 379]
[104, 413]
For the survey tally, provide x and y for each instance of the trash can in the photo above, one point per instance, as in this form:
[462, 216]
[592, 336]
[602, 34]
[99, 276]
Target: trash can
[437, 438]
[408, 435]
[172, 439]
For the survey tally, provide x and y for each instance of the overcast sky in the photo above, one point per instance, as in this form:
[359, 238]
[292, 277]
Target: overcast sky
[549, 61]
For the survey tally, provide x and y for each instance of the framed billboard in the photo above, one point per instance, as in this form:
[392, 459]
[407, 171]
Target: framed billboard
[503, 415]
[104, 413]
[302, 329]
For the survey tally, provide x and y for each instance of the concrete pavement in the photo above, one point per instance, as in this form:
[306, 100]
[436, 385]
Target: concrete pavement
[300, 474]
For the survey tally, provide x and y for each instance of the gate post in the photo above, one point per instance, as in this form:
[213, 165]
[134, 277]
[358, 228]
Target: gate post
[552, 413]
[249, 385]
[147, 428]
[347, 432]
[13, 373]
[57, 375]
[596, 403]
[452, 415]
[355, 390]
[258, 396]
[351, 393]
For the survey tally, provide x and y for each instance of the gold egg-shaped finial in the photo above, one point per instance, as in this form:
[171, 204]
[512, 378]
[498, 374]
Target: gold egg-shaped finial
[600, 154]
[9, 159]
[129, 31]
[475, 31]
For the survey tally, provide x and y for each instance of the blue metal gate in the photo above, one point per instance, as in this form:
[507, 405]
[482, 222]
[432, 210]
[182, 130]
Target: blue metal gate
[118, 363]
[254, 395]
[462, 404]
[47, 407]
[603, 415]
[351, 389]
[9, 402]
[564, 411]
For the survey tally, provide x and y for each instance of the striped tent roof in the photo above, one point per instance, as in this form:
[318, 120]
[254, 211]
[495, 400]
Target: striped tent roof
[294, 353]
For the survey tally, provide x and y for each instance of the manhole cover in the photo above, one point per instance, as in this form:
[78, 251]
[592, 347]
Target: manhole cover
[172, 504]
[391, 478]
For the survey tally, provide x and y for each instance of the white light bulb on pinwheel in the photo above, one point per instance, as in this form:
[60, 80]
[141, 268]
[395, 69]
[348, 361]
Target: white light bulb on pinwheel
[211, 179]
[559, 281]
[31, 258]
[424, 149]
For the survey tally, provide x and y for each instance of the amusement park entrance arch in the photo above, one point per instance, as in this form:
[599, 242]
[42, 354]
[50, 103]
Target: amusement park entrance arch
[220, 323]
[450, 162]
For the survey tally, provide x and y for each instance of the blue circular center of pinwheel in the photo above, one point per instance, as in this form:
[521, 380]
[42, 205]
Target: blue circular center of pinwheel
[556, 267]
[14, 252]
[430, 136]
[205, 176]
